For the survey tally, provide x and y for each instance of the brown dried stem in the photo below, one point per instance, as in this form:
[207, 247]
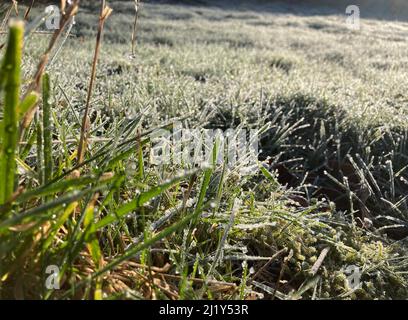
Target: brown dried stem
[105, 12]
[35, 84]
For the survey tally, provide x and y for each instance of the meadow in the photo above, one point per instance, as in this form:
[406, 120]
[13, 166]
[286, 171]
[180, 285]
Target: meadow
[325, 203]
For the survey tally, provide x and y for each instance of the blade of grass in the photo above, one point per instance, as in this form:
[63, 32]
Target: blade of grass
[132, 251]
[40, 151]
[140, 200]
[10, 70]
[28, 102]
[104, 14]
[47, 130]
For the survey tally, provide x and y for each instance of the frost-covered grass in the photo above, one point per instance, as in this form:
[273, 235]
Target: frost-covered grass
[332, 169]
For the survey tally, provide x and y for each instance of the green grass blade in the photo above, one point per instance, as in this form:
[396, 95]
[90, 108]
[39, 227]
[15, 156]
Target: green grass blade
[40, 145]
[42, 212]
[27, 104]
[57, 187]
[136, 249]
[140, 200]
[47, 129]
[11, 70]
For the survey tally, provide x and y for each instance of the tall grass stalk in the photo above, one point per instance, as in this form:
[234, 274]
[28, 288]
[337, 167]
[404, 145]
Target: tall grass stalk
[10, 82]
[40, 151]
[104, 14]
[47, 129]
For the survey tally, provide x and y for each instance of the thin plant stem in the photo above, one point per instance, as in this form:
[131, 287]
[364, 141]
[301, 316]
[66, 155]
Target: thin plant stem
[104, 14]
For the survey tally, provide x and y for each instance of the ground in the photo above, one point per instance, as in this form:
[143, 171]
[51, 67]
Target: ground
[333, 154]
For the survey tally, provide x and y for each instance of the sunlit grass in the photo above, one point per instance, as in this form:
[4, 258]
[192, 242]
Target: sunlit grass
[331, 176]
